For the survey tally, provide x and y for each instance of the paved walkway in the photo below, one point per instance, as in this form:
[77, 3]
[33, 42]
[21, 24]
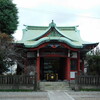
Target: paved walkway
[59, 95]
[50, 95]
[23, 96]
[83, 95]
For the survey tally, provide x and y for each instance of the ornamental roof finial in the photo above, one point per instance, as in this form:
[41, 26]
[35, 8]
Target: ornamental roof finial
[52, 24]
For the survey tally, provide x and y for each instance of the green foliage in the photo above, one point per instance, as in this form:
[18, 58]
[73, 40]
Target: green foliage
[94, 63]
[8, 17]
[90, 89]
[8, 24]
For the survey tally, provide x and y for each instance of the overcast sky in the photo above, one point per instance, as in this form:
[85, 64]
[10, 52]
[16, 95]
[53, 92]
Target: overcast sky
[85, 13]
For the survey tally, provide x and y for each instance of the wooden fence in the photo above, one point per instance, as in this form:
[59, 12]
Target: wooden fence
[87, 81]
[18, 81]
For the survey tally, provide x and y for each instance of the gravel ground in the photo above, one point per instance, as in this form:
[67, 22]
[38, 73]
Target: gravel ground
[84, 95]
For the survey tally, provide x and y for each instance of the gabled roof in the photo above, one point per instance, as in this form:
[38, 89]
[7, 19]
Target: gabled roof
[34, 36]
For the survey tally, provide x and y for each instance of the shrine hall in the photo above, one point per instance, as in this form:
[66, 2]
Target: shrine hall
[53, 52]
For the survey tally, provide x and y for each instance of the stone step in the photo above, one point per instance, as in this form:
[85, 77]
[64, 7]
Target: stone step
[54, 86]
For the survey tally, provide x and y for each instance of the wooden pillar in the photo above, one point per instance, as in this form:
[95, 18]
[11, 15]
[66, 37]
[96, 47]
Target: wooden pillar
[65, 71]
[38, 66]
[78, 66]
[67, 74]
[68, 68]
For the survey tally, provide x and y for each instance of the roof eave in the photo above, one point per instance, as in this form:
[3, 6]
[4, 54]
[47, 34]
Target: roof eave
[48, 39]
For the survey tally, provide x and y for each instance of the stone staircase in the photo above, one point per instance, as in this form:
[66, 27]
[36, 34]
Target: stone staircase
[54, 85]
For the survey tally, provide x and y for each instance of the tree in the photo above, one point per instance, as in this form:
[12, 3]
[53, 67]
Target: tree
[8, 17]
[9, 54]
[93, 61]
[8, 24]
[5, 52]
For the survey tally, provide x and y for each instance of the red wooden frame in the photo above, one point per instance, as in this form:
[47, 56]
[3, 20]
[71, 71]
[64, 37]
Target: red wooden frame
[62, 44]
[68, 59]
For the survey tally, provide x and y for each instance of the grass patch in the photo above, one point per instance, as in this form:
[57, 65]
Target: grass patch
[90, 89]
[16, 90]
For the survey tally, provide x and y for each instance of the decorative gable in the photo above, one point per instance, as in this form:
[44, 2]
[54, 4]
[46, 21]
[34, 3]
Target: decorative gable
[54, 33]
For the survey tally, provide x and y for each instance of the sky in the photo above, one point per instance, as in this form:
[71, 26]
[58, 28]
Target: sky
[85, 13]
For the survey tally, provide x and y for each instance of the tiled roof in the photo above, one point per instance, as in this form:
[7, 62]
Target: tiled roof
[33, 35]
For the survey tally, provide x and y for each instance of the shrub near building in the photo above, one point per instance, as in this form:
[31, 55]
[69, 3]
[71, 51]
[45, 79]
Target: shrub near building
[93, 61]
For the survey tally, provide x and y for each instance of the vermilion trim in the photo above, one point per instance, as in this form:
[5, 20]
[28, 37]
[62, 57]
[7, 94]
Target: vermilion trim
[45, 35]
[40, 46]
[68, 68]
[38, 68]
[72, 78]
[73, 70]
[62, 44]
[67, 46]
[78, 63]
[52, 55]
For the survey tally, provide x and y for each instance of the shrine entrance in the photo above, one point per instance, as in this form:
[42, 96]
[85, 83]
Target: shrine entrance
[52, 68]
